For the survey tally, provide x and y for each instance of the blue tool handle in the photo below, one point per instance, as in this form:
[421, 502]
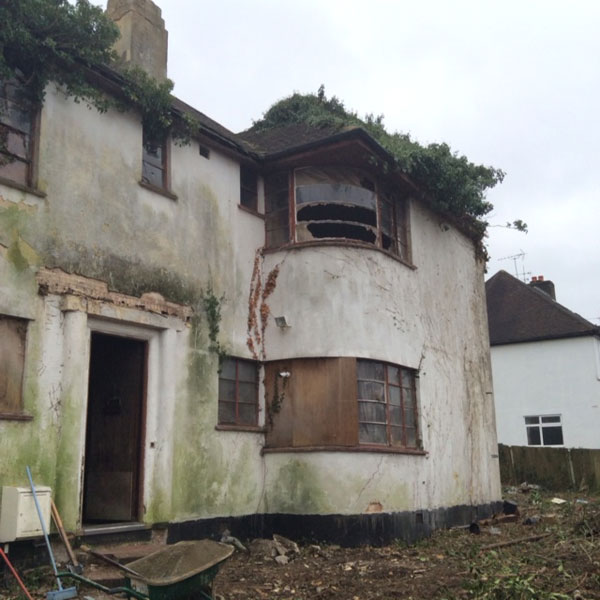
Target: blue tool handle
[39, 512]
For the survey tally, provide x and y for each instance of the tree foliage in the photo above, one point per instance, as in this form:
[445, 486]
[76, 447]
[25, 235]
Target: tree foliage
[455, 185]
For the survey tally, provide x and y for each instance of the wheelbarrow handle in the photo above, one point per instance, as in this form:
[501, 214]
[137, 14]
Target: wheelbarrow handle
[103, 588]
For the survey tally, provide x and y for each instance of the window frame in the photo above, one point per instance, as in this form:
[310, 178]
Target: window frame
[238, 423]
[29, 182]
[165, 165]
[17, 412]
[540, 426]
[281, 223]
[389, 425]
[248, 188]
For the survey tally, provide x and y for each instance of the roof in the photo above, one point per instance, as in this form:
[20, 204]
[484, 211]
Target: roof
[518, 312]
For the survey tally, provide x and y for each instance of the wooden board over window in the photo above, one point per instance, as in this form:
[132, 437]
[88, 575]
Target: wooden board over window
[13, 333]
[315, 405]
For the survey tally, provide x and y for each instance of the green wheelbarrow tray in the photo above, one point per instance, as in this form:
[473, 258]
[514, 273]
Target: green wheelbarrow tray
[178, 572]
[182, 571]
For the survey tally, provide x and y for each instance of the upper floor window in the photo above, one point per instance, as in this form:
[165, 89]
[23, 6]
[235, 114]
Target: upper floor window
[335, 203]
[387, 406]
[154, 162]
[544, 430]
[248, 188]
[238, 392]
[13, 333]
[17, 123]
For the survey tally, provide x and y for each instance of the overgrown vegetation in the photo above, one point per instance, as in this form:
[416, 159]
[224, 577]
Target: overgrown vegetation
[212, 308]
[53, 40]
[456, 186]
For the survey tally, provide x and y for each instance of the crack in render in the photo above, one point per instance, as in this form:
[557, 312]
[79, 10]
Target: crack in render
[374, 474]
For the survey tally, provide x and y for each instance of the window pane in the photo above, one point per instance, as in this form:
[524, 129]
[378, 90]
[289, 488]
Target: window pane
[386, 217]
[15, 143]
[152, 174]
[371, 412]
[532, 420]
[408, 378]
[533, 436]
[246, 371]
[552, 436]
[227, 390]
[411, 437]
[247, 414]
[409, 414]
[226, 412]
[247, 392]
[394, 396]
[11, 114]
[153, 154]
[393, 374]
[395, 415]
[374, 434]
[368, 369]
[370, 390]
[228, 368]
[550, 419]
[14, 169]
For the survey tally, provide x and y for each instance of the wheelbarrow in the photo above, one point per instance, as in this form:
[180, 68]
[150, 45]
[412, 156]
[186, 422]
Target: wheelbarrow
[182, 571]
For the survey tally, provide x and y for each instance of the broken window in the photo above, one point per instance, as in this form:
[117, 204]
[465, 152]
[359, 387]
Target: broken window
[154, 162]
[387, 406]
[238, 392]
[13, 333]
[335, 203]
[17, 121]
[544, 430]
[248, 188]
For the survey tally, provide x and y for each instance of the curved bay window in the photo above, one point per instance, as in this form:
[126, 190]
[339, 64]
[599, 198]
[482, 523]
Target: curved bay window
[335, 203]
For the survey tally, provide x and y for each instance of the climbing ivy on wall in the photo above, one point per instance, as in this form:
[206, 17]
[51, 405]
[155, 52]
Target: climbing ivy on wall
[456, 186]
[53, 40]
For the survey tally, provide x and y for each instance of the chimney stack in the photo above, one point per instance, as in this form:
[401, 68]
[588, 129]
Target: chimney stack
[143, 40]
[545, 286]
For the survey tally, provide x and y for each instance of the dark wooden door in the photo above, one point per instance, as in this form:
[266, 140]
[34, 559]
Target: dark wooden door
[114, 429]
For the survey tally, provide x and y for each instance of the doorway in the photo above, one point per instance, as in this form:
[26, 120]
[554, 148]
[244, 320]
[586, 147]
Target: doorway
[114, 430]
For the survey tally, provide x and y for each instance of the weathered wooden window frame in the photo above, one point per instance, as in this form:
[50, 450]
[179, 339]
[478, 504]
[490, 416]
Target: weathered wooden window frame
[148, 159]
[388, 384]
[248, 188]
[282, 223]
[238, 423]
[30, 159]
[16, 412]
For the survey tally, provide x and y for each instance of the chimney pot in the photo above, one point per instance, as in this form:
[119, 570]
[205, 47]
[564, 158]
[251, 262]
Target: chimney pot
[540, 278]
[545, 286]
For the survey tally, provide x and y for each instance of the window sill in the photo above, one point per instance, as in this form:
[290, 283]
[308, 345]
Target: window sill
[21, 187]
[158, 190]
[342, 243]
[15, 417]
[251, 211]
[247, 428]
[372, 449]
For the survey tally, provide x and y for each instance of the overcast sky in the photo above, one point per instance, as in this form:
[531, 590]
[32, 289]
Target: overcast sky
[514, 85]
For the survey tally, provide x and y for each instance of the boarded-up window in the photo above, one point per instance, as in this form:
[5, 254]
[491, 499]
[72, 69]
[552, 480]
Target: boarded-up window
[12, 359]
[16, 133]
[238, 392]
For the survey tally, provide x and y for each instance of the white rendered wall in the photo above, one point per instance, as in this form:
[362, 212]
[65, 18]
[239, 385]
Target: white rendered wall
[554, 377]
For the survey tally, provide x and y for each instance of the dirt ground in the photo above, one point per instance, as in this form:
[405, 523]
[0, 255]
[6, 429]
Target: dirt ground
[557, 557]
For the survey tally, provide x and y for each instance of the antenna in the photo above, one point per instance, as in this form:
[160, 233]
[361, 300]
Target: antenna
[523, 275]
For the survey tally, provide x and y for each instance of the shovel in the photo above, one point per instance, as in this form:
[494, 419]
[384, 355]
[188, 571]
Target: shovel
[61, 593]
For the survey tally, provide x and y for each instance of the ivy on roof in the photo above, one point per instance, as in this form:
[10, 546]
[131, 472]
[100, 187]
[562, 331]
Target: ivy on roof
[455, 185]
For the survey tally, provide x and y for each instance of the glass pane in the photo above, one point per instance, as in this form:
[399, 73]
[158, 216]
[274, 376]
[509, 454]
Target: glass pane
[373, 434]
[153, 154]
[411, 437]
[13, 115]
[336, 193]
[550, 419]
[14, 169]
[152, 174]
[226, 390]
[368, 369]
[228, 368]
[533, 436]
[393, 374]
[409, 396]
[386, 218]
[247, 392]
[277, 237]
[372, 412]
[15, 143]
[226, 412]
[408, 378]
[532, 420]
[409, 414]
[394, 395]
[246, 371]
[247, 414]
[552, 436]
[370, 390]
[395, 415]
